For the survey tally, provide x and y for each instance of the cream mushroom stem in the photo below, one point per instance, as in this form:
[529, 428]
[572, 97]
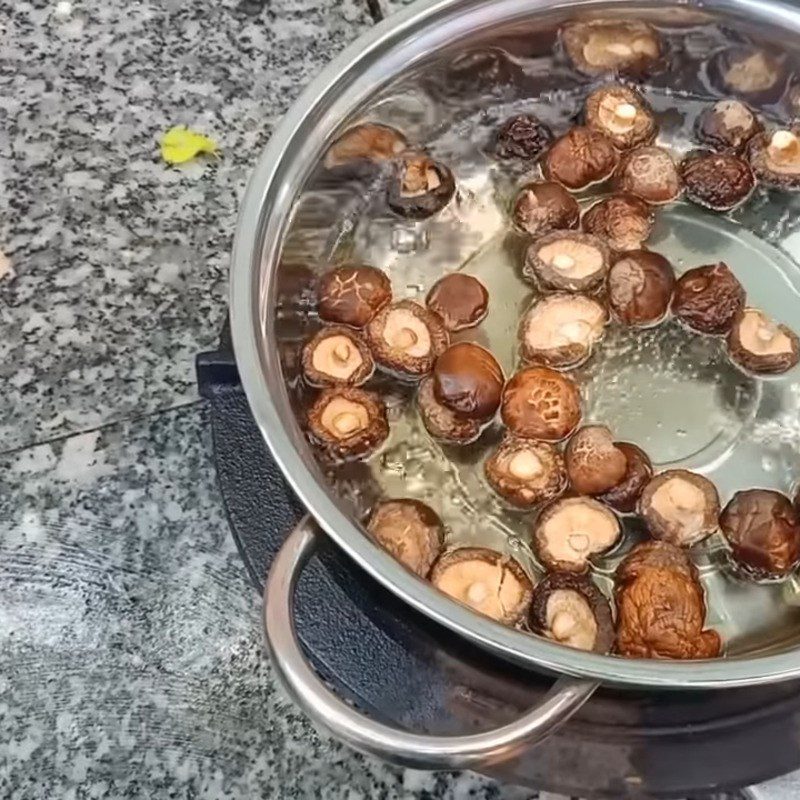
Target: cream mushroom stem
[562, 261]
[345, 423]
[784, 145]
[525, 465]
[579, 542]
[342, 352]
[563, 625]
[477, 592]
[405, 338]
[767, 331]
[619, 49]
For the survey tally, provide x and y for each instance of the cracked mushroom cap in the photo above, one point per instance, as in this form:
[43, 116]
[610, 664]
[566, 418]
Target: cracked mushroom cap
[640, 286]
[366, 142]
[680, 507]
[567, 260]
[763, 531]
[441, 422]
[580, 158]
[335, 356]
[623, 220]
[468, 380]
[540, 403]
[410, 530]
[749, 72]
[460, 300]
[622, 114]
[420, 186]
[560, 330]
[526, 473]
[719, 181]
[775, 158]
[570, 531]
[523, 136]
[406, 339]
[347, 422]
[650, 173]
[352, 295]
[594, 462]
[758, 344]
[607, 45]
[708, 299]
[544, 206]
[571, 610]
[624, 496]
[487, 581]
[727, 125]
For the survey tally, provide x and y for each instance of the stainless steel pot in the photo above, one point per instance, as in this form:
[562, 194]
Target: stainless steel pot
[336, 96]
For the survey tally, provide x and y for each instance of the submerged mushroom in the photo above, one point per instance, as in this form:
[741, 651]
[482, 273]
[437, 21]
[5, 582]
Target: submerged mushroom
[406, 339]
[347, 422]
[727, 125]
[571, 610]
[749, 72]
[441, 422]
[366, 142]
[488, 582]
[336, 355]
[468, 380]
[460, 300]
[606, 45]
[567, 260]
[719, 181]
[758, 344]
[775, 158]
[352, 295]
[540, 403]
[649, 173]
[526, 473]
[594, 462]
[524, 136]
[410, 530]
[623, 220]
[640, 285]
[580, 158]
[763, 530]
[560, 330]
[544, 206]
[420, 187]
[624, 496]
[680, 507]
[622, 114]
[571, 531]
[708, 299]
[655, 554]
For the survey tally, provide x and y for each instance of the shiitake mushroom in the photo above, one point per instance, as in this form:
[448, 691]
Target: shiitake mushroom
[760, 345]
[708, 299]
[622, 114]
[623, 220]
[369, 142]
[523, 137]
[544, 206]
[567, 260]
[727, 125]
[749, 72]
[336, 355]
[719, 181]
[468, 380]
[594, 462]
[462, 301]
[624, 496]
[640, 285]
[352, 295]
[775, 158]
[442, 423]
[420, 187]
[612, 45]
[650, 173]
[580, 158]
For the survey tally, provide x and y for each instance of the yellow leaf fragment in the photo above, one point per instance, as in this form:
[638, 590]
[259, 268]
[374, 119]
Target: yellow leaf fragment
[179, 144]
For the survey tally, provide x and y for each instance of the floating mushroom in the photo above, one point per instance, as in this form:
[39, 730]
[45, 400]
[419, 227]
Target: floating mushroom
[468, 380]
[580, 158]
[622, 114]
[727, 125]
[352, 295]
[441, 422]
[640, 285]
[594, 462]
[649, 173]
[366, 142]
[524, 137]
[460, 300]
[775, 158]
[749, 72]
[623, 220]
[420, 187]
[611, 45]
[544, 206]
[719, 181]
[758, 344]
[624, 496]
[336, 355]
[567, 260]
[708, 299]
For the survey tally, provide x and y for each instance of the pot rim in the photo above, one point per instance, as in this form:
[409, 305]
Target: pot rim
[264, 216]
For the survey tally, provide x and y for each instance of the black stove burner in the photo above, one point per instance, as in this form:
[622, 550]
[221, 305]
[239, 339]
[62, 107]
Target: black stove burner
[402, 668]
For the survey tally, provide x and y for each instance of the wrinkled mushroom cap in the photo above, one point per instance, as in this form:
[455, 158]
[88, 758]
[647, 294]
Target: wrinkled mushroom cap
[336, 356]
[441, 422]
[623, 220]
[462, 301]
[649, 173]
[369, 141]
[352, 295]
[622, 114]
[523, 136]
[594, 463]
[640, 285]
[727, 125]
[544, 206]
[601, 46]
[775, 157]
[420, 186]
[719, 181]
[580, 158]
[655, 554]
[567, 260]
[624, 496]
[708, 299]
[759, 344]
[468, 380]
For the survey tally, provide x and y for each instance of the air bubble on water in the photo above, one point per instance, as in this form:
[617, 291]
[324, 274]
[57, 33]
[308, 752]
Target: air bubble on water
[681, 432]
[407, 240]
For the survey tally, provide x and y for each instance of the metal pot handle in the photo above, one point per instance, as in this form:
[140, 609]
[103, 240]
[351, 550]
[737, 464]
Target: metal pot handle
[326, 710]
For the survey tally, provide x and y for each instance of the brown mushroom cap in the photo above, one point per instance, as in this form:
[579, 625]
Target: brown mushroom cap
[570, 531]
[460, 300]
[336, 356]
[540, 403]
[526, 473]
[763, 530]
[348, 422]
[708, 299]
[625, 495]
[655, 554]
[607, 45]
[719, 181]
[544, 206]
[594, 463]
[366, 142]
[727, 125]
[749, 72]
[420, 187]
[571, 610]
[623, 220]
[649, 173]
[640, 285]
[567, 260]
[523, 136]
[406, 339]
[680, 507]
[468, 380]
[580, 158]
[441, 422]
[622, 114]
[775, 157]
[410, 530]
[758, 344]
[352, 295]
[488, 582]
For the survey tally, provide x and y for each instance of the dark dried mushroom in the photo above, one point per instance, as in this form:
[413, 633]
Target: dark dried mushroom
[406, 339]
[543, 207]
[623, 220]
[719, 181]
[610, 45]
[420, 187]
[759, 344]
[640, 285]
[348, 422]
[580, 158]
[594, 462]
[560, 330]
[352, 295]
[468, 380]
[763, 530]
[524, 136]
[367, 142]
[570, 531]
[749, 72]
[460, 300]
[655, 554]
[727, 125]
[567, 260]
[622, 114]
[540, 403]
[571, 610]
[480, 69]
[775, 158]
[526, 473]
[649, 173]
[680, 507]
[336, 356]
[708, 299]
[638, 470]
[410, 530]
[488, 582]
[441, 422]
